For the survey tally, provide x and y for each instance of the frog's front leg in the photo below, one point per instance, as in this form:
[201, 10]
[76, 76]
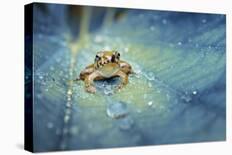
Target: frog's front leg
[89, 85]
[124, 79]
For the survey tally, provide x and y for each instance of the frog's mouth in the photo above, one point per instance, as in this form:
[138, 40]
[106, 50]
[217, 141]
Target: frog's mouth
[109, 70]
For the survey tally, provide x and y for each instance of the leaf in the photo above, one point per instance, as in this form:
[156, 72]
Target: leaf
[177, 96]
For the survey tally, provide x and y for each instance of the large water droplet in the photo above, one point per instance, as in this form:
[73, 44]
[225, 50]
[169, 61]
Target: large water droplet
[117, 110]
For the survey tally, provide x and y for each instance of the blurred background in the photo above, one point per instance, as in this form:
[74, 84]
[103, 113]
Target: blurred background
[177, 96]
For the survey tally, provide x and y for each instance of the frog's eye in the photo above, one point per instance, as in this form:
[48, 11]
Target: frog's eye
[117, 55]
[97, 58]
[113, 58]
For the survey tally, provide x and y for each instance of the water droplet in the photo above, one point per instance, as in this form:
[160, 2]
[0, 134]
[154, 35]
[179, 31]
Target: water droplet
[41, 77]
[50, 125]
[164, 21]
[204, 21]
[68, 104]
[66, 118]
[69, 92]
[117, 110]
[152, 28]
[179, 43]
[150, 103]
[194, 92]
[69, 98]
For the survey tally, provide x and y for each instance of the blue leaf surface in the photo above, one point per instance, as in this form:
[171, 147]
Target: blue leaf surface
[177, 95]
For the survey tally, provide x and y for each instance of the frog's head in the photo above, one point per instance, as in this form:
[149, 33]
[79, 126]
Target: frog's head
[105, 57]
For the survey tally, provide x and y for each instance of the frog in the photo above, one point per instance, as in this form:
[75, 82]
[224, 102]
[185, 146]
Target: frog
[107, 64]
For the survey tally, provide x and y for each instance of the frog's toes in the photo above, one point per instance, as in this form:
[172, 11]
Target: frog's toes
[119, 87]
[91, 89]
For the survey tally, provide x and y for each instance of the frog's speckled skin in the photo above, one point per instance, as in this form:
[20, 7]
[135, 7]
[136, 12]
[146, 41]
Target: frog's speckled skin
[107, 64]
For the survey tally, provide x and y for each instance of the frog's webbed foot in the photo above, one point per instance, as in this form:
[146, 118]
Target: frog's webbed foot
[89, 87]
[124, 79]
